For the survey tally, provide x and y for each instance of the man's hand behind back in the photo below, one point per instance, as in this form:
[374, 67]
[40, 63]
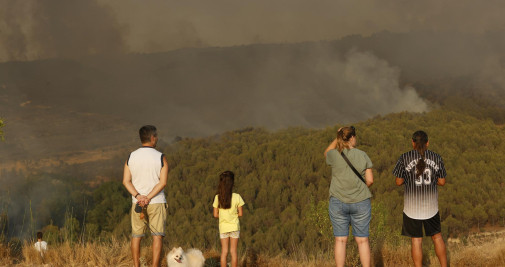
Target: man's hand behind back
[143, 200]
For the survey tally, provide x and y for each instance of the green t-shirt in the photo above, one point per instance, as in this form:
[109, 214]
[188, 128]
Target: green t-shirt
[345, 185]
[228, 218]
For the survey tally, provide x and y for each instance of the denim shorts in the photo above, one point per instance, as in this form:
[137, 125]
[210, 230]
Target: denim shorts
[357, 215]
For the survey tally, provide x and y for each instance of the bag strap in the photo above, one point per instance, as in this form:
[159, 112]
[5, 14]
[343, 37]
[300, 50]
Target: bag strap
[352, 167]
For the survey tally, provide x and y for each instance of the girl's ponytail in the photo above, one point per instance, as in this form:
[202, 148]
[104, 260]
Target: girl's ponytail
[420, 139]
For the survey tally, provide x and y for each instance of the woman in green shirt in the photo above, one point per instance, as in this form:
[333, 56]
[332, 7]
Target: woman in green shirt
[349, 194]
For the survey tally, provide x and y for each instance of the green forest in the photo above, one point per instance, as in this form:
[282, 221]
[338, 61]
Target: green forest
[282, 177]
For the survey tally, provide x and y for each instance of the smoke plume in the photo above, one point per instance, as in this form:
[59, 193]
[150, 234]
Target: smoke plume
[156, 25]
[57, 29]
[49, 28]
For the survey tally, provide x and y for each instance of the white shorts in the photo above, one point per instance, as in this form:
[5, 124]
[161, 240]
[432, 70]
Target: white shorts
[235, 234]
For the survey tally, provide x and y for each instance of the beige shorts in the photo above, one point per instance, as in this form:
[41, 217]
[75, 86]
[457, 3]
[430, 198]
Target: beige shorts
[155, 216]
[235, 234]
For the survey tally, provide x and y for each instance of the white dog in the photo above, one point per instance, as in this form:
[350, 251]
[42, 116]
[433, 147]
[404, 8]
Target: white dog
[178, 258]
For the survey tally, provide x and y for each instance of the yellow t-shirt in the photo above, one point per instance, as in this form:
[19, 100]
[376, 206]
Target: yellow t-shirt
[228, 218]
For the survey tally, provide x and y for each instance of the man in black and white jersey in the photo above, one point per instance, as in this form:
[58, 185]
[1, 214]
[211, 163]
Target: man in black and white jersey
[421, 171]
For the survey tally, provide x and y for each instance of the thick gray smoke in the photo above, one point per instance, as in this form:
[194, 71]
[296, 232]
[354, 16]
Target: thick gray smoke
[322, 88]
[43, 29]
[368, 86]
[194, 92]
[34, 29]
[159, 25]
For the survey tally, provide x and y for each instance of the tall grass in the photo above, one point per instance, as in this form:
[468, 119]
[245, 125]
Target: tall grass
[487, 252]
[72, 245]
[5, 258]
[117, 253]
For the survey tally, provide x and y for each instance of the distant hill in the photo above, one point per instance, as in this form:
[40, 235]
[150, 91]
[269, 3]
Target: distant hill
[53, 108]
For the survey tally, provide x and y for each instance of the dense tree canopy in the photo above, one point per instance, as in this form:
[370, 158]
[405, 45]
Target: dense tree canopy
[283, 178]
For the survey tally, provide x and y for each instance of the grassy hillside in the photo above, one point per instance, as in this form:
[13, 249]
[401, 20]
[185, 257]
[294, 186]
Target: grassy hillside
[476, 252]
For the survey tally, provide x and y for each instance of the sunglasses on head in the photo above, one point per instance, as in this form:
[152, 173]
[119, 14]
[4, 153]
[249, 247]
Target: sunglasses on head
[352, 128]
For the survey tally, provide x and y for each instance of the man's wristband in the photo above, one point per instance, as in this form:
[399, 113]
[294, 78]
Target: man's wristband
[136, 195]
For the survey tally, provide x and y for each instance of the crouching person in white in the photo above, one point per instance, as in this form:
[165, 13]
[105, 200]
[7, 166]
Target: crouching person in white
[145, 177]
[40, 245]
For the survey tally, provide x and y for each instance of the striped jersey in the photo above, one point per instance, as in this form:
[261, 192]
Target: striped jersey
[420, 200]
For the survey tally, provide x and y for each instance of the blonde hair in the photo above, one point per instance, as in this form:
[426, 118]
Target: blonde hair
[343, 137]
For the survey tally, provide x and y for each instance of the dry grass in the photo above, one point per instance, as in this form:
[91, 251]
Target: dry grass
[392, 256]
[117, 253]
[90, 254]
[490, 252]
[5, 257]
[285, 262]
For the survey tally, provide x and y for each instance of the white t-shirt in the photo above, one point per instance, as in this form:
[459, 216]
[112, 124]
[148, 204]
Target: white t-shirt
[41, 246]
[145, 166]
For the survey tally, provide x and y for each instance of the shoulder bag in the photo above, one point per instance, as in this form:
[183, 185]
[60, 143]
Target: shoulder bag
[352, 167]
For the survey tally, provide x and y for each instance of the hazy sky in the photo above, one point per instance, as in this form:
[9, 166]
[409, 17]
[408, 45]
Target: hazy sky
[34, 29]
[165, 24]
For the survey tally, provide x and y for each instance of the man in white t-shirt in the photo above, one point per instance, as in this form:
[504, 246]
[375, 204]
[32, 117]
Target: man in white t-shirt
[145, 177]
[41, 246]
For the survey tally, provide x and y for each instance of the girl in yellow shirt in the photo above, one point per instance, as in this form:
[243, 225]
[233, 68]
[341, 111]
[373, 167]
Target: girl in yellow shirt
[228, 207]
